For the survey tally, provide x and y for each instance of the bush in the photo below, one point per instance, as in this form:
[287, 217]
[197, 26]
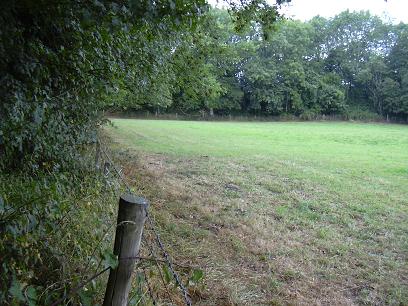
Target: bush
[52, 228]
[361, 114]
[309, 115]
[56, 58]
[287, 117]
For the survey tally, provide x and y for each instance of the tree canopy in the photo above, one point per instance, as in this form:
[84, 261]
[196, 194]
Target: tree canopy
[344, 66]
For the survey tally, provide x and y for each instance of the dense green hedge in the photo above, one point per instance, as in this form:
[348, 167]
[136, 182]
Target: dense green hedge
[55, 229]
[55, 58]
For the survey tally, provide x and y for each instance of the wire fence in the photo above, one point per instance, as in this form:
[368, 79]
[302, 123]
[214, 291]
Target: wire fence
[156, 281]
[155, 271]
[152, 227]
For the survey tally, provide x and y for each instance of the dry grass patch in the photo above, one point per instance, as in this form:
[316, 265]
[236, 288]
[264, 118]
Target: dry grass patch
[237, 229]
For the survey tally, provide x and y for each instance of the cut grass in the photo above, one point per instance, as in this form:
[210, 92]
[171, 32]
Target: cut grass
[277, 213]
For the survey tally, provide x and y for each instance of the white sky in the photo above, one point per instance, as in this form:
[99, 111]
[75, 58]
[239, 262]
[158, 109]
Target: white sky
[395, 10]
[392, 10]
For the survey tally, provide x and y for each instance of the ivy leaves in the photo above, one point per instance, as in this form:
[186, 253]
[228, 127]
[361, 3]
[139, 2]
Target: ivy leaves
[21, 295]
[16, 291]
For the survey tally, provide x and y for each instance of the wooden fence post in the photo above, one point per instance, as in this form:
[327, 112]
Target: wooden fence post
[131, 218]
[97, 154]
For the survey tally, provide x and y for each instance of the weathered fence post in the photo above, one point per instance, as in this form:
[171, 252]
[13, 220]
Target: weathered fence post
[131, 218]
[97, 154]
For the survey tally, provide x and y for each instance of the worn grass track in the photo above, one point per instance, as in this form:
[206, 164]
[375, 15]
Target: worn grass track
[279, 213]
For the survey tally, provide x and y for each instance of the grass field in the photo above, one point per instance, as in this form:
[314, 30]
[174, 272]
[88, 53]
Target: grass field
[279, 213]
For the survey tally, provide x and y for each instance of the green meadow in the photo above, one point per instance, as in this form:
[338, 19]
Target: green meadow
[278, 212]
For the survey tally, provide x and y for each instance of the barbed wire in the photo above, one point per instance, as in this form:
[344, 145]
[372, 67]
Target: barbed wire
[169, 262]
[148, 287]
[101, 148]
[152, 253]
[166, 256]
[118, 173]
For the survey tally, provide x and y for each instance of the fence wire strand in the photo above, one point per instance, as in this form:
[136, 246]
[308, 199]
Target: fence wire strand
[102, 148]
[149, 287]
[153, 255]
[169, 262]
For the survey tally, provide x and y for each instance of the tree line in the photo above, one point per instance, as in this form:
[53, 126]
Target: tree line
[352, 65]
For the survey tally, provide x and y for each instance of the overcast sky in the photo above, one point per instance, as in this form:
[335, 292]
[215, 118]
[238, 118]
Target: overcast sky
[397, 10]
[394, 10]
